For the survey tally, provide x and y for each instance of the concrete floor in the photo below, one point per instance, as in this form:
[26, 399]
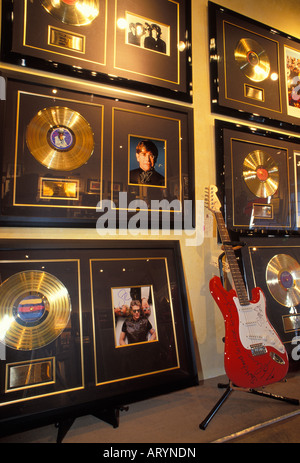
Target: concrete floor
[174, 419]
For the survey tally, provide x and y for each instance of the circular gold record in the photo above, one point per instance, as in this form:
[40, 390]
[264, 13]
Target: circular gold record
[35, 308]
[60, 138]
[73, 12]
[261, 174]
[252, 59]
[283, 279]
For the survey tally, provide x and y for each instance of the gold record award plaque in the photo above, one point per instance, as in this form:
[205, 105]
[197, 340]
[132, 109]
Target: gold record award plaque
[73, 12]
[60, 138]
[261, 174]
[35, 308]
[252, 59]
[283, 279]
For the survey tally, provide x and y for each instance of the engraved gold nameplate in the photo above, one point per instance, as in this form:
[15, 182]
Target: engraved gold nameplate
[59, 189]
[254, 92]
[263, 211]
[291, 322]
[64, 39]
[29, 374]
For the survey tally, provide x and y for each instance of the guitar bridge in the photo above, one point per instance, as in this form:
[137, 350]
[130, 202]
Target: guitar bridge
[258, 349]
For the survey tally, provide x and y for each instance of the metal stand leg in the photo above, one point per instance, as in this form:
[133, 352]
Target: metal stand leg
[212, 413]
[230, 388]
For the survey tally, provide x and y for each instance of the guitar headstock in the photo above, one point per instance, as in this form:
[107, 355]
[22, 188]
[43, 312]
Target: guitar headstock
[211, 199]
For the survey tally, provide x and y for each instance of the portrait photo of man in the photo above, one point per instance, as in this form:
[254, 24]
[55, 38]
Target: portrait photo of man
[147, 162]
[134, 315]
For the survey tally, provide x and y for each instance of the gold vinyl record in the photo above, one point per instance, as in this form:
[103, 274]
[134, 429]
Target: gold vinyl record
[252, 60]
[261, 174]
[73, 12]
[35, 308]
[60, 138]
[283, 279]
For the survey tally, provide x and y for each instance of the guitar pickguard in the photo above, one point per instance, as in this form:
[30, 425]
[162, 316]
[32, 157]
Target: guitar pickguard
[254, 328]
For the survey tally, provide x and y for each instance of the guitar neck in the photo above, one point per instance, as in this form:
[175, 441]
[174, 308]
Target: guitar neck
[232, 261]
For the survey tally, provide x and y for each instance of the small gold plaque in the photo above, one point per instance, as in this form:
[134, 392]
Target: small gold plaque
[263, 211]
[29, 374]
[63, 39]
[291, 322]
[59, 189]
[254, 93]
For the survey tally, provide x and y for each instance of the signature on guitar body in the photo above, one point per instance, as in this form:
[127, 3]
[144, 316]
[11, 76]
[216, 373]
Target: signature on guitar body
[254, 354]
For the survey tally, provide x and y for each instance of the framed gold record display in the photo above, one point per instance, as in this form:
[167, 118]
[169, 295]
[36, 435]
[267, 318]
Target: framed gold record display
[254, 69]
[86, 328]
[143, 45]
[257, 175]
[274, 266]
[76, 159]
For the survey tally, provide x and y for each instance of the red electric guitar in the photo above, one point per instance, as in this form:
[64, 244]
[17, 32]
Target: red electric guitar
[254, 354]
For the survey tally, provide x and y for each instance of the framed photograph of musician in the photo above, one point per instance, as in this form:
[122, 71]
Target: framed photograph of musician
[147, 161]
[254, 70]
[142, 44]
[134, 315]
[137, 326]
[151, 178]
[257, 178]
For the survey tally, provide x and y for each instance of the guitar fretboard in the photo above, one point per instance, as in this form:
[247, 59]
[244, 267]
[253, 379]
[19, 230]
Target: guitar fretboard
[232, 261]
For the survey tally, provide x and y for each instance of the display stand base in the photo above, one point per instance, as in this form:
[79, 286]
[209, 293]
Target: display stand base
[229, 389]
[110, 416]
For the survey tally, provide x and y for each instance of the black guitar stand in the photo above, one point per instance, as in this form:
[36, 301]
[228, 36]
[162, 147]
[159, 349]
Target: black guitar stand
[231, 387]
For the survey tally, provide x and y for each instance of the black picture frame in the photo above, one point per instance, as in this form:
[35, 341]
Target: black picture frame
[73, 374]
[41, 36]
[45, 186]
[255, 204]
[250, 70]
[280, 258]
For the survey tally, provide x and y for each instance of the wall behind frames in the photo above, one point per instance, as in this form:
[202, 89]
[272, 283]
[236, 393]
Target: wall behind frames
[198, 260]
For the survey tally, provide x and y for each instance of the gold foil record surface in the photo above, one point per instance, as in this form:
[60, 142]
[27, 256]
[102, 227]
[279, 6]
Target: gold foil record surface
[283, 279]
[73, 12]
[35, 308]
[261, 174]
[60, 138]
[252, 59]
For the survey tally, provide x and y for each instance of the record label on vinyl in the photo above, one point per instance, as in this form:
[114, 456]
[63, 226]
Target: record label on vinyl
[61, 138]
[35, 308]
